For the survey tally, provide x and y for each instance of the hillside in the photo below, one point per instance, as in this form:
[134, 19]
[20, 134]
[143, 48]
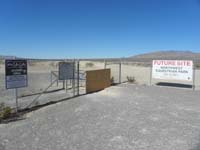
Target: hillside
[145, 58]
[169, 55]
[2, 57]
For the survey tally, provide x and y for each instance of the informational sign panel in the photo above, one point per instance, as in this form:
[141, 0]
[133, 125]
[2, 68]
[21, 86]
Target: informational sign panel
[173, 70]
[16, 74]
[66, 70]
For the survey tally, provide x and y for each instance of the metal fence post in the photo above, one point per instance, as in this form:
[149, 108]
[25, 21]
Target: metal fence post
[57, 77]
[51, 77]
[63, 84]
[16, 98]
[73, 81]
[104, 64]
[78, 77]
[57, 82]
[66, 85]
[120, 71]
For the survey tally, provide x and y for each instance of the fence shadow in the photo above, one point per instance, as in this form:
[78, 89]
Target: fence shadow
[174, 85]
[196, 147]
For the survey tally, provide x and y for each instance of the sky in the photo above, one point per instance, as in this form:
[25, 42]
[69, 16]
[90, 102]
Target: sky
[97, 28]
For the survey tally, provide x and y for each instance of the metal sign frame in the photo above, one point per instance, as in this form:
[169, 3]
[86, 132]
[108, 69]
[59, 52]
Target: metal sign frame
[193, 73]
[173, 70]
[17, 70]
[66, 70]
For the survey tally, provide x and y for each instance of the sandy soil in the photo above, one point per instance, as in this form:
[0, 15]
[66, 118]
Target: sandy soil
[124, 117]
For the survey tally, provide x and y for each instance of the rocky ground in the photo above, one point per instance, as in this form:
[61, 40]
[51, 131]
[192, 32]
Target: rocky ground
[124, 117]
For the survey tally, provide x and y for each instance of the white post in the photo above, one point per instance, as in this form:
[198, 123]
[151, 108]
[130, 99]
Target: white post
[150, 75]
[193, 86]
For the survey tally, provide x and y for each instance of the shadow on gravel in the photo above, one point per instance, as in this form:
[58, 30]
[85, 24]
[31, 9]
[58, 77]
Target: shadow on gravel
[197, 147]
[174, 85]
[9, 120]
[51, 91]
[2, 147]
[20, 115]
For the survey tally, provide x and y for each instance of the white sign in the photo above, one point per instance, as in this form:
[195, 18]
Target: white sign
[66, 70]
[173, 70]
[16, 73]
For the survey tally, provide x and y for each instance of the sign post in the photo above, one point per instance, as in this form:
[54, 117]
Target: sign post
[16, 76]
[150, 80]
[66, 72]
[193, 79]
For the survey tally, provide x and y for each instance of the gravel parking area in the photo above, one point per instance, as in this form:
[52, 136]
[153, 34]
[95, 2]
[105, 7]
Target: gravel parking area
[123, 117]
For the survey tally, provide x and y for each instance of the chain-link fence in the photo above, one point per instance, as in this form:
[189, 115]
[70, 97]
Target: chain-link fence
[44, 85]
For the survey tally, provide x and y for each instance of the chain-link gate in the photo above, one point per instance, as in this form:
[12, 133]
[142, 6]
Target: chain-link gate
[45, 87]
[116, 68]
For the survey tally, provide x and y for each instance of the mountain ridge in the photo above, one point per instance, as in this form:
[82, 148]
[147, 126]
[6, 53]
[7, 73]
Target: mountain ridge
[173, 55]
[148, 57]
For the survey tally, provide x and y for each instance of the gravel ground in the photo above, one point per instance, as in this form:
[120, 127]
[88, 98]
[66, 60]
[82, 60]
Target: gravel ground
[124, 117]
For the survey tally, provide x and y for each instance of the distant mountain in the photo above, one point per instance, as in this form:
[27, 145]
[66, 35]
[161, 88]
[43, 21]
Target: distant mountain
[146, 59]
[2, 57]
[168, 55]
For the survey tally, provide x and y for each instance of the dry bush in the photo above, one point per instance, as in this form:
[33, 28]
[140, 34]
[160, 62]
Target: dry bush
[89, 64]
[131, 79]
[197, 66]
[1, 62]
[112, 80]
[5, 111]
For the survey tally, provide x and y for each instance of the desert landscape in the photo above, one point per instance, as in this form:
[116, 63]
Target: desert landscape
[131, 115]
[40, 76]
[99, 75]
